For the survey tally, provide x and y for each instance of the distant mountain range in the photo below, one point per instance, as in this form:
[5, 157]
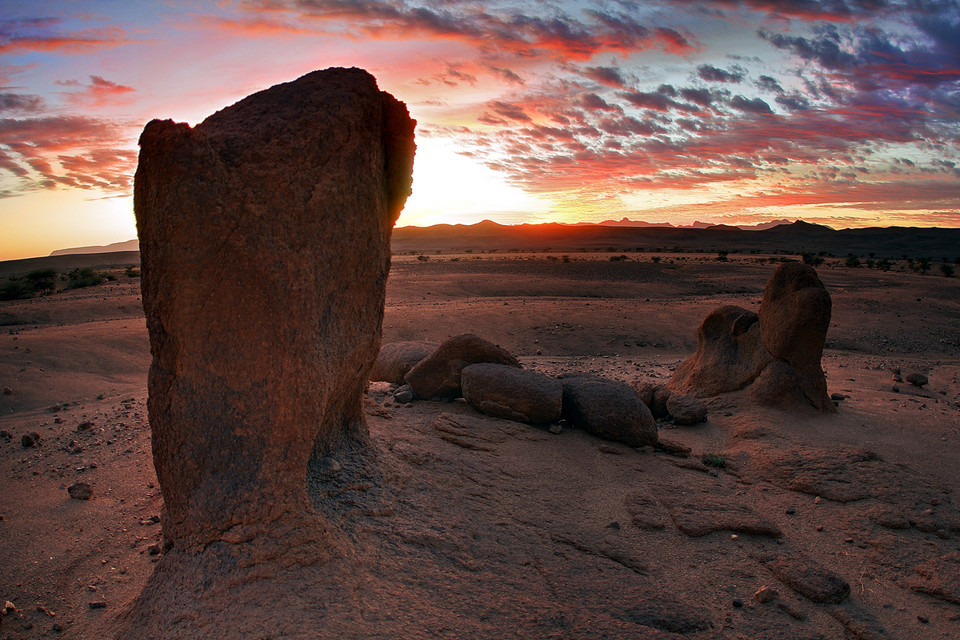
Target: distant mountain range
[630, 235]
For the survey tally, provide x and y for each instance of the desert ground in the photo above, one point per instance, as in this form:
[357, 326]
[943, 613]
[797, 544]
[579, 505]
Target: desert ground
[466, 526]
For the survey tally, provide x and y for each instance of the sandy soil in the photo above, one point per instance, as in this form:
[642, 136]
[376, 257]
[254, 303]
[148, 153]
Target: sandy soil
[464, 526]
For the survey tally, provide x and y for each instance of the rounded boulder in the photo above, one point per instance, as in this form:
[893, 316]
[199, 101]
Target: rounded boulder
[609, 410]
[516, 394]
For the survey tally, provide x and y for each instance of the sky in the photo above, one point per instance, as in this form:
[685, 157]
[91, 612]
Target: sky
[838, 112]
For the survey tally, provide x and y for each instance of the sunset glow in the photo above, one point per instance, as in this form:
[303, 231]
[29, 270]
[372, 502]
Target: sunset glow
[841, 112]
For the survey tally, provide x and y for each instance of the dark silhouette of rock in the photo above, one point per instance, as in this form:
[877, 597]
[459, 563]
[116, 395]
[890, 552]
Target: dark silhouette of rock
[80, 491]
[438, 375]
[516, 394]
[658, 401]
[917, 379]
[397, 358]
[608, 409]
[265, 246]
[686, 410]
[774, 356]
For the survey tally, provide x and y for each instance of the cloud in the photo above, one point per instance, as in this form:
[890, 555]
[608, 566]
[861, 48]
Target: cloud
[711, 73]
[99, 92]
[40, 34]
[755, 105]
[20, 103]
[75, 151]
[611, 76]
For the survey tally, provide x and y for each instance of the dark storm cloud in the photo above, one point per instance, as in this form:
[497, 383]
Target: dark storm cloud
[769, 84]
[606, 75]
[20, 103]
[755, 105]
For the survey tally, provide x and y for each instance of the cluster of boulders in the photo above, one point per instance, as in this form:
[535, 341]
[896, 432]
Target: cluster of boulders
[493, 382]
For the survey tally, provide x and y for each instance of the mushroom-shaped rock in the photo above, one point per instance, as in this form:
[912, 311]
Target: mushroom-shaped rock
[397, 358]
[516, 394]
[438, 375]
[608, 409]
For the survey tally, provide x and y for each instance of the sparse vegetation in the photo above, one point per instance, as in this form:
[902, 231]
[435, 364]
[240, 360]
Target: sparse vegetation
[86, 277]
[655, 258]
[132, 272]
[722, 256]
[423, 258]
[714, 459]
[619, 258]
[851, 261]
[947, 270]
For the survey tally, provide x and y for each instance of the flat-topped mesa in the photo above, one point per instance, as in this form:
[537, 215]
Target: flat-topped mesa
[265, 244]
[774, 356]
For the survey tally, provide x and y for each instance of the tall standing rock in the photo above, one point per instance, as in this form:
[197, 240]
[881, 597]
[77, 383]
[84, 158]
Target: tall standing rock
[265, 245]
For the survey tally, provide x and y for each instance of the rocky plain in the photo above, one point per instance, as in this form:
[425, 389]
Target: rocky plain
[757, 523]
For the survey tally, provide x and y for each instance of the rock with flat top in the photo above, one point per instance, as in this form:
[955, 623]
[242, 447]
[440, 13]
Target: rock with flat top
[438, 375]
[515, 394]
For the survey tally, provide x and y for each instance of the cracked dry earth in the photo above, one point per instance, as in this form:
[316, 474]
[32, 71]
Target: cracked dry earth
[458, 525]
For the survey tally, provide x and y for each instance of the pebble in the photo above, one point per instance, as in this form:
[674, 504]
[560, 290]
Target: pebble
[7, 391]
[765, 594]
[98, 604]
[737, 602]
[80, 491]
[328, 466]
[28, 440]
[403, 394]
[923, 619]
[791, 511]
[555, 428]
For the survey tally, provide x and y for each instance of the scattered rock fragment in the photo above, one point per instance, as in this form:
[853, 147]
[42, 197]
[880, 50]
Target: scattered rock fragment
[7, 391]
[608, 409]
[31, 439]
[438, 375]
[395, 359]
[809, 579]
[403, 394]
[80, 491]
[516, 394]
[765, 594]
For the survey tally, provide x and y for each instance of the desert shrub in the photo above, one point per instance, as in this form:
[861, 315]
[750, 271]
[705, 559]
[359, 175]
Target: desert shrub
[423, 258]
[655, 258]
[43, 280]
[132, 272]
[713, 459]
[86, 277]
[923, 265]
[851, 261]
[883, 264]
[722, 256]
[565, 258]
[619, 258]
[947, 270]
[16, 289]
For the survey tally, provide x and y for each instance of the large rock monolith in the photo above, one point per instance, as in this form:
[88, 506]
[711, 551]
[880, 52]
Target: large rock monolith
[265, 247]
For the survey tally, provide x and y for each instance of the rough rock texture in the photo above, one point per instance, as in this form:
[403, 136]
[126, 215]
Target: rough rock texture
[397, 358]
[515, 394]
[265, 246]
[774, 356]
[608, 409]
[809, 579]
[438, 375]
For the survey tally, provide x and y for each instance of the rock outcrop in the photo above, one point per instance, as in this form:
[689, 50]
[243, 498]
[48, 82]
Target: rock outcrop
[608, 409]
[265, 246]
[516, 394]
[773, 356]
[438, 375]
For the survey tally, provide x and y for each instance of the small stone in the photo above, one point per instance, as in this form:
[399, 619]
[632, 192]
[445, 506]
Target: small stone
[791, 511]
[555, 428]
[98, 604]
[8, 608]
[737, 603]
[85, 426]
[765, 594]
[7, 391]
[895, 389]
[838, 396]
[923, 619]
[28, 441]
[403, 394]
[153, 549]
[614, 525]
[80, 491]
[328, 466]
[57, 627]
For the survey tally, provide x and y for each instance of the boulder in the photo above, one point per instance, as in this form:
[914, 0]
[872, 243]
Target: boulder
[397, 358]
[774, 355]
[658, 401]
[516, 394]
[265, 247]
[438, 375]
[608, 409]
[686, 410]
[917, 379]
